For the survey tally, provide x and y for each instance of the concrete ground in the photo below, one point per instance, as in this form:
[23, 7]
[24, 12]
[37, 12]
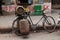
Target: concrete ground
[42, 35]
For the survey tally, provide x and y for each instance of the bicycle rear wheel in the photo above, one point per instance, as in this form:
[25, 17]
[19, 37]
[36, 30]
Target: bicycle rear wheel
[49, 24]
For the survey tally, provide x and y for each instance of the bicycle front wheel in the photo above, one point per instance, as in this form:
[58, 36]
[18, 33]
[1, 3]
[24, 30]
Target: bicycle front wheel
[49, 24]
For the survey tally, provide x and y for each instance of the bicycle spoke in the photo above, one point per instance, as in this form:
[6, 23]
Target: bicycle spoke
[49, 24]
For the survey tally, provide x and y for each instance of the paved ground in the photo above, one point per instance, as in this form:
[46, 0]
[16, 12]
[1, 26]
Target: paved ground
[42, 35]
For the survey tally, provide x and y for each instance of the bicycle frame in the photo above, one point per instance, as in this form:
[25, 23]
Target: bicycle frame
[44, 16]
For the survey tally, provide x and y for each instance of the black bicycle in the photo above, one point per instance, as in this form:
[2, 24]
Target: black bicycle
[48, 22]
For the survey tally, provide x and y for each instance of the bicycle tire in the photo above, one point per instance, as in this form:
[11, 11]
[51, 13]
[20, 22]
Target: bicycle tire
[53, 27]
[15, 30]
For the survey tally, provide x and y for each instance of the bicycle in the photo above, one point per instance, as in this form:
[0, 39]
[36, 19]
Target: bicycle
[47, 23]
